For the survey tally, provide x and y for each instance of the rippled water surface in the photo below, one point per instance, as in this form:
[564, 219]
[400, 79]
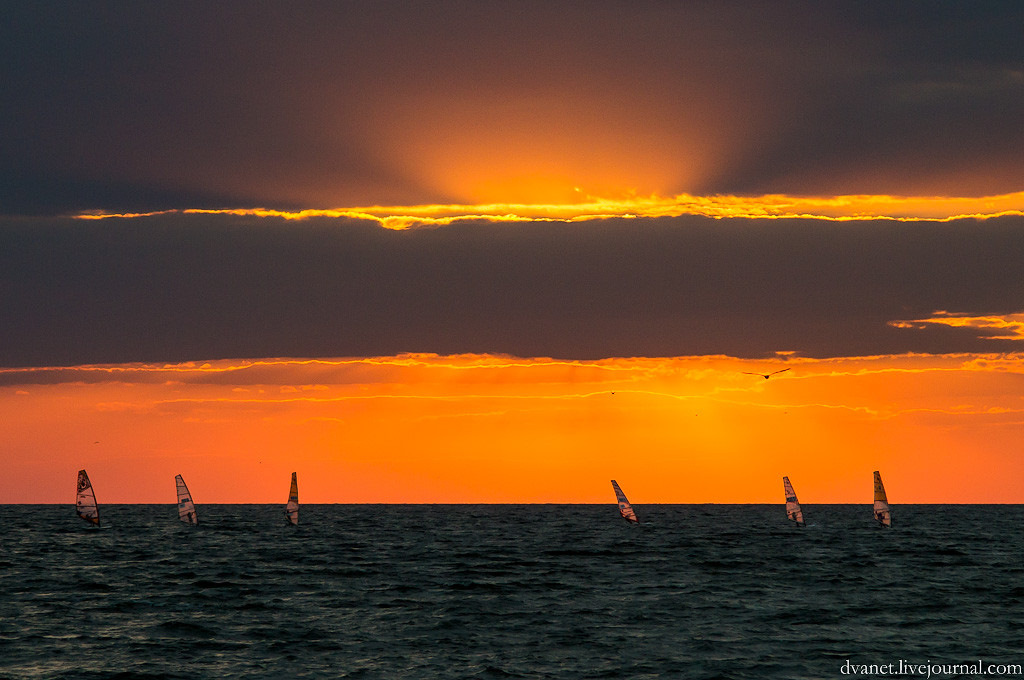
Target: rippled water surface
[489, 591]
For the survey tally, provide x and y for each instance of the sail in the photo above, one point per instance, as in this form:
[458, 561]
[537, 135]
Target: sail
[882, 513]
[291, 510]
[625, 509]
[793, 511]
[86, 500]
[186, 508]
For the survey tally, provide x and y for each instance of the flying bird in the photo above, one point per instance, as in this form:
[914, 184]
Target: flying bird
[766, 375]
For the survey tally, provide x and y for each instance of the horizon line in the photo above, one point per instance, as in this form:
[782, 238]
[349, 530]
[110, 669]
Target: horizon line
[633, 503]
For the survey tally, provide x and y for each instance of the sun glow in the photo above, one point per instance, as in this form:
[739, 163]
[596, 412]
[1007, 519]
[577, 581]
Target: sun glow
[426, 428]
[588, 207]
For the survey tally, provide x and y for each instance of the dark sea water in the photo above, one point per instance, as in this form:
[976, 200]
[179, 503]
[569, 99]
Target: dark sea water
[500, 591]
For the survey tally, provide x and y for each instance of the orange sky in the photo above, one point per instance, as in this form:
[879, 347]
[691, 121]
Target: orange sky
[423, 429]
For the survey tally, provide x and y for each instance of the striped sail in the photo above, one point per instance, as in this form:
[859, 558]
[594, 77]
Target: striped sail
[882, 514]
[625, 509]
[186, 508]
[793, 511]
[291, 510]
[85, 501]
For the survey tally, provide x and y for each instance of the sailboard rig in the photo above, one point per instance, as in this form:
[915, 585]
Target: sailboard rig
[291, 510]
[625, 509]
[85, 501]
[186, 508]
[882, 513]
[793, 510]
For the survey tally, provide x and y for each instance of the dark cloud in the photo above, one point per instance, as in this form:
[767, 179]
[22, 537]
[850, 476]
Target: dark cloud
[30, 193]
[942, 130]
[196, 105]
[194, 287]
[906, 99]
[113, 105]
[137, 107]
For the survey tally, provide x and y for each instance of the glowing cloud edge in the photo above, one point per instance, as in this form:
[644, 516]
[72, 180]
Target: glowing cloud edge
[770, 206]
[987, 326]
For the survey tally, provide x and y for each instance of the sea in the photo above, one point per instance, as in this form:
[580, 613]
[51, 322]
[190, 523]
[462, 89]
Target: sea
[512, 591]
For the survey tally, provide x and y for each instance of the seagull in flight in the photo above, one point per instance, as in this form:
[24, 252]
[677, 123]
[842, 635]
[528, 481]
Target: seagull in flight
[767, 375]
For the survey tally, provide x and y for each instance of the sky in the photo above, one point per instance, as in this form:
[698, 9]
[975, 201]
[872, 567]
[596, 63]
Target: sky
[454, 229]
